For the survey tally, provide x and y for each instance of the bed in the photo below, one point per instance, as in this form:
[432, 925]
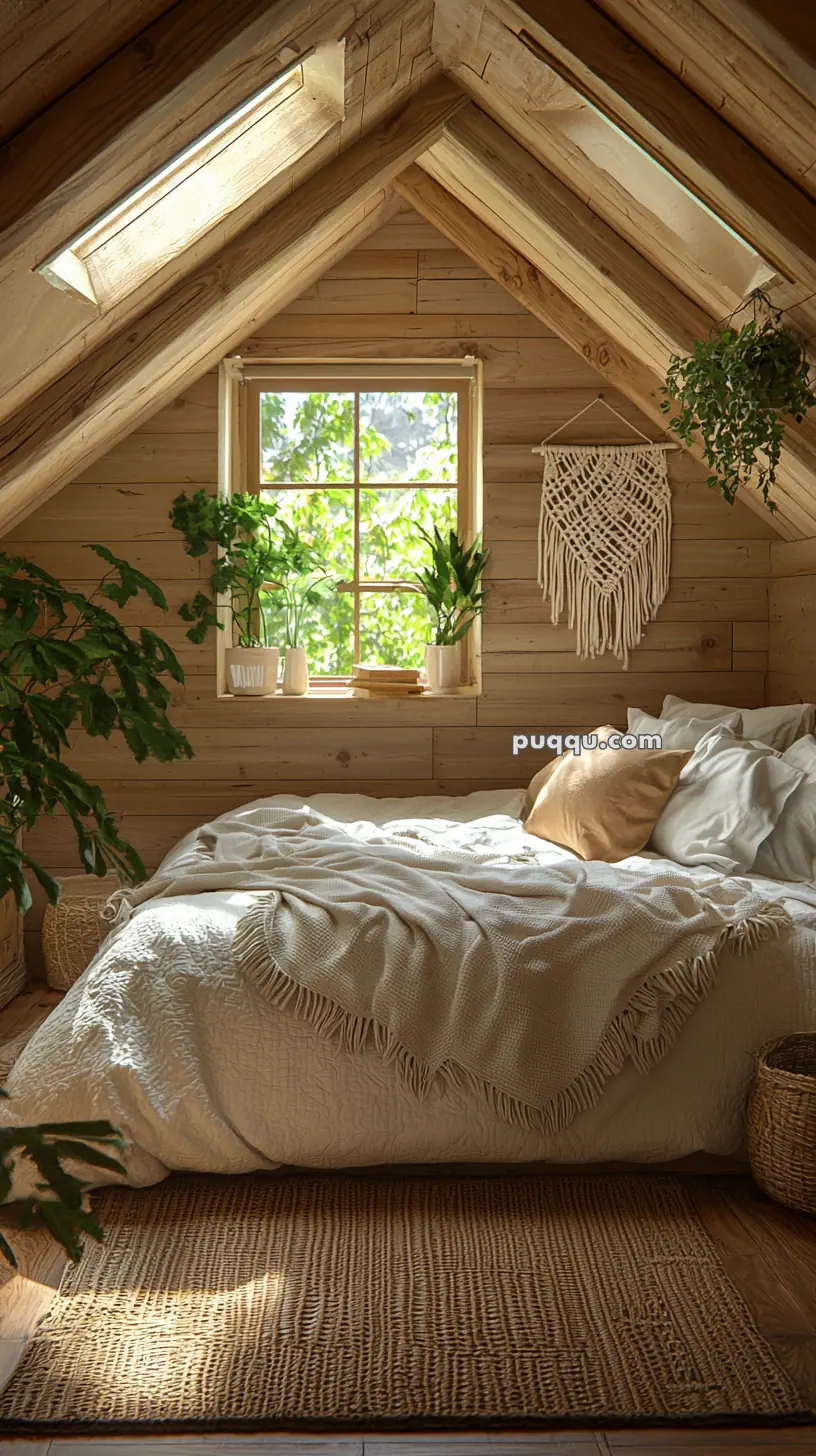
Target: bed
[202, 1073]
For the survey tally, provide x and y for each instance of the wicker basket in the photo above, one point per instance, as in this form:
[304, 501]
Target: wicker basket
[74, 929]
[782, 1121]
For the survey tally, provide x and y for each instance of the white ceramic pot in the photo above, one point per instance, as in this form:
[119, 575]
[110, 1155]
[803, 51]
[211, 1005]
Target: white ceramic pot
[295, 672]
[443, 668]
[251, 671]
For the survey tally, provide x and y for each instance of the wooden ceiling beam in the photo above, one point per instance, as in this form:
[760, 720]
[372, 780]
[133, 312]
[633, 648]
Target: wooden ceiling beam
[48, 48]
[140, 108]
[55, 436]
[677, 128]
[545, 301]
[502, 183]
[725, 52]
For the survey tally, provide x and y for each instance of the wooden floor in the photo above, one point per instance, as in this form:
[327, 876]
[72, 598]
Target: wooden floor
[769, 1251]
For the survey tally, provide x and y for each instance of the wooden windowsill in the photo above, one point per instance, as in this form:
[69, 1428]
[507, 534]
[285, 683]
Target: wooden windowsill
[336, 692]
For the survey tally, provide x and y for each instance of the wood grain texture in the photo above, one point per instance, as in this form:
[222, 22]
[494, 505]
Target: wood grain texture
[708, 642]
[679, 130]
[122, 382]
[742, 66]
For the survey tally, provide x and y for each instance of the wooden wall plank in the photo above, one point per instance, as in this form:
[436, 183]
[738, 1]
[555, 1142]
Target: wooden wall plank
[708, 642]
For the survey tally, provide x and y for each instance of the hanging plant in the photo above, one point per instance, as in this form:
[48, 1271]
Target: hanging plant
[735, 391]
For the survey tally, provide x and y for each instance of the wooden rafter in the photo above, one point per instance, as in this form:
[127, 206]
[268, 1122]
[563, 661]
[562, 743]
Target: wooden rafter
[678, 129]
[48, 48]
[545, 301]
[499, 180]
[627, 297]
[111, 392]
[152, 98]
[731, 57]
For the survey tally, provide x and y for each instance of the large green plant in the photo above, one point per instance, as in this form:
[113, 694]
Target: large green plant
[452, 585]
[247, 556]
[60, 1198]
[65, 660]
[735, 391]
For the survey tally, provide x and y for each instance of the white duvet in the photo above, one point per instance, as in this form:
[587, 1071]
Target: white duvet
[202, 1073]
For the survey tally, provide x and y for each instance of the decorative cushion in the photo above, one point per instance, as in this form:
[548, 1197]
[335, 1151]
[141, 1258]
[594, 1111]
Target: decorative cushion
[776, 727]
[603, 802]
[728, 799]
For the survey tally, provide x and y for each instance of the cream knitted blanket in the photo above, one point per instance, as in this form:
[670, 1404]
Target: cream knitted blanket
[533, 984]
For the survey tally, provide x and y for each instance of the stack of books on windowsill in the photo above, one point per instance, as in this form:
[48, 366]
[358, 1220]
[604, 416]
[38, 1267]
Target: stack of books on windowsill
[371, 680]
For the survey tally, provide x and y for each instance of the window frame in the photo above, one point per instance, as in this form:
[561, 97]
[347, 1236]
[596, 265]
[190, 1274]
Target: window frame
[244, 381]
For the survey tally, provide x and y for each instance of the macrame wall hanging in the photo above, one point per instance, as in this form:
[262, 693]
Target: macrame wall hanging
[604, 537]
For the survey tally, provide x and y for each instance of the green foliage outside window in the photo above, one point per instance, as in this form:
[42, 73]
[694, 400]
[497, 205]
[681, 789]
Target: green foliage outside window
[406, 441]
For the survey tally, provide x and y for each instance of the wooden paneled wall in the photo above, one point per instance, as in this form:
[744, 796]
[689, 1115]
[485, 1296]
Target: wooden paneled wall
[792, 611]
[406, 295]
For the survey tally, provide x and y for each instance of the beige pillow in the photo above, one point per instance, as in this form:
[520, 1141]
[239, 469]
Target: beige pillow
[603, 803]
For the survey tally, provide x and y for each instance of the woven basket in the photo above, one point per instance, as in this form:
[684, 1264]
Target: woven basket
[782, 1121]
[74, 929]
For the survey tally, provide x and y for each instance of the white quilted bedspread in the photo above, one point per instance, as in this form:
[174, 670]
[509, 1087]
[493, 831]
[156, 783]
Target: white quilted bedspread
[202, 1073]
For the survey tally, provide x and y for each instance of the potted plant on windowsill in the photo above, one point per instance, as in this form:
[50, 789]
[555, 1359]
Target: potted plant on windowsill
[247, 555]
[452, 587]
[302, 582]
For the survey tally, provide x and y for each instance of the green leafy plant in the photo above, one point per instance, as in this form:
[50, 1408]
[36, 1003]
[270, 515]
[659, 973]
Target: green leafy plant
[735, 391]
[299, 580]
[65, 660]
[452, 585]
[61, 1196]
[247, 556]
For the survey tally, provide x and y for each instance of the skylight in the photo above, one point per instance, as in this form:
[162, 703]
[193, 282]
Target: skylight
[202, 184]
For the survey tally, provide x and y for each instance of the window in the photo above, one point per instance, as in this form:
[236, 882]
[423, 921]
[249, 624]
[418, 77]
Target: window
[222, 168]
[361, 464]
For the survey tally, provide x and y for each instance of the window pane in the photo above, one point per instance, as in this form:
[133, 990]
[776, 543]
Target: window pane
[307, 437]
[324, 518]
[327, 633]
[394, 627]
[390, 520]
[408, 436]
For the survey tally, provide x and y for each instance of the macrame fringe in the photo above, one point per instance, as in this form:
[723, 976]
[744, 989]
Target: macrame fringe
[609, 583]
[686, 985]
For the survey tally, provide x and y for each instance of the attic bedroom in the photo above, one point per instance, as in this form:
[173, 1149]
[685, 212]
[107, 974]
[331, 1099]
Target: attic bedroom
[408, 862]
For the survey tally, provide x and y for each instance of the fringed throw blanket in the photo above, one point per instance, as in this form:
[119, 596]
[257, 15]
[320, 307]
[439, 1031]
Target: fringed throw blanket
[605, 541]
[533, 984]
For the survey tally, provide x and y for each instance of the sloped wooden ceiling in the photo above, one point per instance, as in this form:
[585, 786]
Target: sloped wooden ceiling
[629, 170]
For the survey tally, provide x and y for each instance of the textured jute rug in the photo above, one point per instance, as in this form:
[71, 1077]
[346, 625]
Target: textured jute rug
[319, 1299]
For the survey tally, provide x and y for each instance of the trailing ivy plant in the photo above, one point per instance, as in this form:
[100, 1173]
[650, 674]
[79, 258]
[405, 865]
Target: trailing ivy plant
[60, 1199]
[66, 660]
[736, 390]
[452, 585]
[247, 555]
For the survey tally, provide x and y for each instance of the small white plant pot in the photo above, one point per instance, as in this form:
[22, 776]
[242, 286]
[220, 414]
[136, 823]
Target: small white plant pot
[443, 668]
[251, 671]
[295, 672]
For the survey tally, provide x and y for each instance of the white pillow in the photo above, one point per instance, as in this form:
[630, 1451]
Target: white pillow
[675, 734]
[728, 799]
[789, 852]
[778, 727]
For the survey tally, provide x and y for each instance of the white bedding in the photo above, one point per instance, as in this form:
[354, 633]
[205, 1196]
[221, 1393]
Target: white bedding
[202, 1073]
